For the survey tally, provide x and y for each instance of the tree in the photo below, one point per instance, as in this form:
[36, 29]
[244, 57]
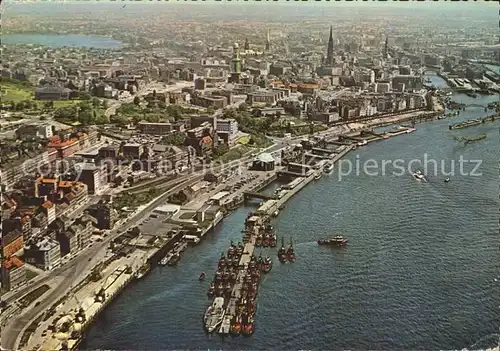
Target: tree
[137, 100]
[175, 111]
[85, 96]
[243, 107]
[220, 150]
[105, 104]
[96, 102]
[176, 139]
[86, 117]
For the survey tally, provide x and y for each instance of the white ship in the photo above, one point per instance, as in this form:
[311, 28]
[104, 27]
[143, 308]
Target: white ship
[419, 176]
[214, 314]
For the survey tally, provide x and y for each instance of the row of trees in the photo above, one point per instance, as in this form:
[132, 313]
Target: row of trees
[84, 112]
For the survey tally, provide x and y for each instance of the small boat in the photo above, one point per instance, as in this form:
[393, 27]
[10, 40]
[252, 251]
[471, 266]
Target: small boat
[447, 180]
[211, 289]
[276, 213]
[328, 168]
[362, 143]
[317, 176]
[337, 241]
[202, 276]
[419, 176]
[258, 240]
[267, 265]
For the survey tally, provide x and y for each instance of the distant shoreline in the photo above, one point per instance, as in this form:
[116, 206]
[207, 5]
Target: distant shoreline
[63, 39]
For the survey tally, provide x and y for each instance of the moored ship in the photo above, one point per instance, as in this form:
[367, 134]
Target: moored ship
[214, 314]
[291, 252]
[337, 241]
[282, 256]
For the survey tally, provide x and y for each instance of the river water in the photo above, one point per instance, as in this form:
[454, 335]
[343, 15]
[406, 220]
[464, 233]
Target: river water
[419, 271]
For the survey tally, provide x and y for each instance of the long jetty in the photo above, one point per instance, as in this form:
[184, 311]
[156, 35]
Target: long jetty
[475, 122]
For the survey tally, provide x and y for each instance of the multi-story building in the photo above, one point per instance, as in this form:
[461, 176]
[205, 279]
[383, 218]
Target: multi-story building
[30, 131]
[13, 273]
[104, 214]
[65, 148]
[410, 82]
[52, 93]
[21, 222]
[93, 176]
[86, 224]
[69, 241]
[12, 242]
[44, 254]
[227, 126]
[154, 128]
[49, 209]
[39, 221]
[132, 151]
[108, 152]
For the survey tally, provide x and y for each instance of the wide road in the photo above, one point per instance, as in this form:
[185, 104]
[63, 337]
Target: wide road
[75, 270]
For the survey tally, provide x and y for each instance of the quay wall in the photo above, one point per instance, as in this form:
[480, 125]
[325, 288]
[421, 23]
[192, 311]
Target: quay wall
[111, 293]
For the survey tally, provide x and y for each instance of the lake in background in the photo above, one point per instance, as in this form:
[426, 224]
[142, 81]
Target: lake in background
[54, 40]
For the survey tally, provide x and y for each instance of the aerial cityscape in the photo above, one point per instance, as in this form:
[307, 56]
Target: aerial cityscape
[275, 175]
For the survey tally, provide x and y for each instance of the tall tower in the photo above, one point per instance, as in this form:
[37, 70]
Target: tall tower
[236, 64]
[268, 42]
[386, 47]
[329, 51]
[247, 46]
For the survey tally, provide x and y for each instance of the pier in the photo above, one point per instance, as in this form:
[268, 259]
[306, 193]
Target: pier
[254, 195]
[474, 122]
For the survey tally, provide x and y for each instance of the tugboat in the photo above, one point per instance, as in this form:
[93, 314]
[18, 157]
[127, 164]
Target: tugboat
[258, 240]
[282, 256]
[265, 242]
[335, 241]
[267, 265]
[211, 289]
[272, 240]
[202, 276]
[222, 261]
[290, 252]
[248, 326]
[236, 326]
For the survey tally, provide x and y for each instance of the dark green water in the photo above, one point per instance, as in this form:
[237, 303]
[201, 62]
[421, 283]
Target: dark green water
[418, 273]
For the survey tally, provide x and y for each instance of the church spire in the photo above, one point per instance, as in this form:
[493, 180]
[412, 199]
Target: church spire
[329, 51]
[386, 47]
[268, 41]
